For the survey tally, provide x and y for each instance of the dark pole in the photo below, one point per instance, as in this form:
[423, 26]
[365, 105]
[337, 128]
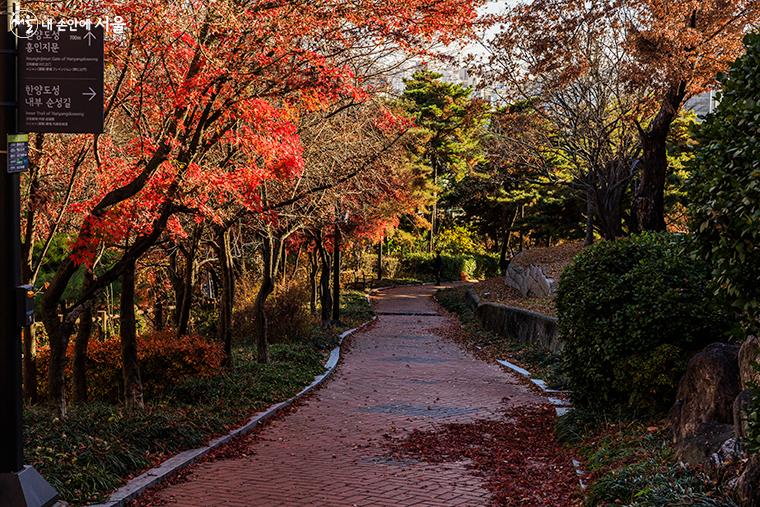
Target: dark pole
[20, 486]
[11, 456]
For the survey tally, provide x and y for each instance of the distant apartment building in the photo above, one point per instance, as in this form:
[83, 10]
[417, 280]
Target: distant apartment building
[702, 104]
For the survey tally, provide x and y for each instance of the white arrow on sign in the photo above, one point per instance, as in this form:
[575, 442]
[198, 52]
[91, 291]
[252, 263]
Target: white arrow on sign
[90, 37]
[92, 93]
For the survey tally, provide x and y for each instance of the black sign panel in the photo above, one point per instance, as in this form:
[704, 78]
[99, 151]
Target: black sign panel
[61, 80]
[18, 153]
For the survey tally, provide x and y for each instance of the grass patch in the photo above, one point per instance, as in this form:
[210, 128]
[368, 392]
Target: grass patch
[632, 463]
[541, 363]
[98, 446]
[355, 309]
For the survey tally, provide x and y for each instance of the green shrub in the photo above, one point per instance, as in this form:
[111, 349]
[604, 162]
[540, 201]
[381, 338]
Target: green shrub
[486, 266]
[654, 484]
[422, 266]
[631, 312]
[724, 189]
[458, 240]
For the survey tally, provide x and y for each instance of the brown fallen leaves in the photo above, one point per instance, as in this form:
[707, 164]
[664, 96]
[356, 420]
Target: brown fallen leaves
[496, 290]
[552, 259]
[517, 456]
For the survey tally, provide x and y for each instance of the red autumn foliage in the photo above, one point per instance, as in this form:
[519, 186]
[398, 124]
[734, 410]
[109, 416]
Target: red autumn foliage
[164, 359]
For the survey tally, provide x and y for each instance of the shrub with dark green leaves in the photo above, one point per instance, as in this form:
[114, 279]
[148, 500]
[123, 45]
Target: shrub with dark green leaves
[422, 266]
[724, 189]
[632, 312]
[486, 265]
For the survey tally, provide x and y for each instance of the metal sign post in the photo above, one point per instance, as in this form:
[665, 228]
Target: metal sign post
[20, 485]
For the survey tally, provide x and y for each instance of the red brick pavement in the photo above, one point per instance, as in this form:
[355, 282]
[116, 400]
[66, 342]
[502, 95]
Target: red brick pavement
[397, 376]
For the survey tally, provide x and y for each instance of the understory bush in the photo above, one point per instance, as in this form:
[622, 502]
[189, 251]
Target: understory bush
[287, 312]
[453, 267]
[631, 313]
[288, 316]
[164, 361]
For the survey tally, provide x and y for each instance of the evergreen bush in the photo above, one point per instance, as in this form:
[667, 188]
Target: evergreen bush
[632, 312]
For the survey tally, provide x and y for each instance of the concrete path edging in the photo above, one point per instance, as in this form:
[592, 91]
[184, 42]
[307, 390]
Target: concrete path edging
[561, 407]
[173, 465]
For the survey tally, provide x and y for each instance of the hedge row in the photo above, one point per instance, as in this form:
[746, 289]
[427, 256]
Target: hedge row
[453, 267]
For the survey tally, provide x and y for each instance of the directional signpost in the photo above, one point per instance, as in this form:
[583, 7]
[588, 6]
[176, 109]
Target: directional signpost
[50, 81]
[60, 78]
[18, 153]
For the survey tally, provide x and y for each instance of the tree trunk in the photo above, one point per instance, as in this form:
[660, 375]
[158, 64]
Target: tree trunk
[133, 395]
[270, 255]
[58, 333]
[380, 259]
[434, 211]
[184, 282]
[296, 262]
[227, 289]
[503, 261]
[80, 356]
[80, 348]
[589, 218]
[262, 343]
[30, 366]
[336, 275]
[284, 267]
[506, 243]
[313, 287]
[158, 314]
[324, 282]
[650, 194]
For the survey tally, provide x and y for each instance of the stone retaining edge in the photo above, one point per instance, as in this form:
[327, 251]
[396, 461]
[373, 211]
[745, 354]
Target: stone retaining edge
[171, 466]
[514, 322]
[561, 407]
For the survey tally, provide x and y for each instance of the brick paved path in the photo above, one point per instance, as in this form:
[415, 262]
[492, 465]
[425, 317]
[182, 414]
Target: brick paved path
[396, 376]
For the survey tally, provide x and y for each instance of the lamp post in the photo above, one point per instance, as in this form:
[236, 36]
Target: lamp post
[20, 485]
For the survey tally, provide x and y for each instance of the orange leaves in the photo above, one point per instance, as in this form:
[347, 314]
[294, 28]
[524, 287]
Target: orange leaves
[659, 42]
[164, 361]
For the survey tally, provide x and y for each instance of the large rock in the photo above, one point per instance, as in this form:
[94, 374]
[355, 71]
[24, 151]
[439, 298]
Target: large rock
[530, 281]
[702, 416]
[726, 463]
[748, 362]
[747, 489]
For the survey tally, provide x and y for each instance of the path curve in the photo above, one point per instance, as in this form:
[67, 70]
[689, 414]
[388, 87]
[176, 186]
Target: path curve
[396, 376]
